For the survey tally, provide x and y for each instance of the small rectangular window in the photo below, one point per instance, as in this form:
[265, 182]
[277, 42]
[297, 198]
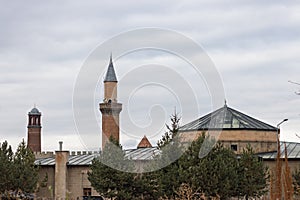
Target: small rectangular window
[233, 147]
[87, 191]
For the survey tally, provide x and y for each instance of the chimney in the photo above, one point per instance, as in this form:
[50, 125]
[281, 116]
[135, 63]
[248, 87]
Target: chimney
[61, 161]
[60, 145]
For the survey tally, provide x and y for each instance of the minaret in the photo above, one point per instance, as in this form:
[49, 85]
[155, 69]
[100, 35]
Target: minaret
[34, 130]
[110, 108]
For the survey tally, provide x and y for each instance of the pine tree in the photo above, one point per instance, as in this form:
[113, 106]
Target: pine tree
[24, 170]
[6, 166]
[216, 174]
[19, 173]
[110, 173]
[252, 175]
[168, 175]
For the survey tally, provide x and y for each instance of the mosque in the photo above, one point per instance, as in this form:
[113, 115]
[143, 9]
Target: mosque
[67, 171]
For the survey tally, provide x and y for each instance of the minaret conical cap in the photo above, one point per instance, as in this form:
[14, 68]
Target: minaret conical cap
[110, 74]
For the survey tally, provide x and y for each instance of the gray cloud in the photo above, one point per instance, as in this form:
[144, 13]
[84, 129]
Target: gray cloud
[254, 45]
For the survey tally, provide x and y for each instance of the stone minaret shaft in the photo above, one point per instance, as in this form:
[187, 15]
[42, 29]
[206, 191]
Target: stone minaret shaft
[34, 130]
[110, 108]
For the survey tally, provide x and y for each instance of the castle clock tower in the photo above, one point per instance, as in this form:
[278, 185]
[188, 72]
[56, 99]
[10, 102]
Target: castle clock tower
[110, 108]
[34, 130]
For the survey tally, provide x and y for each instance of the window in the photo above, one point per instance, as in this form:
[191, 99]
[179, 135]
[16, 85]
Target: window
[234, 147]
[87, 191]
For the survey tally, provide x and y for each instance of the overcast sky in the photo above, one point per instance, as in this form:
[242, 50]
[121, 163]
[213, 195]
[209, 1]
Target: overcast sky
[255, 46]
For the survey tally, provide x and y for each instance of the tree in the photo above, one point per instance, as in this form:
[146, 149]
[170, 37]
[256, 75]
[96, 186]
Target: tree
[25, 171]
[168, 175]
[213, 176]
[109, 174]
[252, 175]
[6, 168]
[19, 173]
[216, 174]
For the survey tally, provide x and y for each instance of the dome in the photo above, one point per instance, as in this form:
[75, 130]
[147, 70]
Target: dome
[34, 111]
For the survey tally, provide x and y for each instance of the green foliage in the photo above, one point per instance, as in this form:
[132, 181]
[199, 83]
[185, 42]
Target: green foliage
[110, 176]
[107, 174]
[168, 175]
[215, 175]
[296, 181]
[253, 175]
[19, 174]
[26, 173]
[6, 168]
[218, 175]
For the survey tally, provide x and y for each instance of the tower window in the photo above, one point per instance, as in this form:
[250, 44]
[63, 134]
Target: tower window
[233, 147]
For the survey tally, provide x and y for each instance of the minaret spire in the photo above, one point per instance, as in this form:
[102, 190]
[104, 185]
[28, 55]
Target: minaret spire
[110, 108]
[110, 74]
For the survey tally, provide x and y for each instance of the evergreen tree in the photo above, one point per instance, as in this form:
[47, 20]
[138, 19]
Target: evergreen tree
[19, 174]
[109, 174]
[6, 168]
[168, 175]
[213, 175]
[24, 170]
[216, 174]
[190, 159]
[252, 175]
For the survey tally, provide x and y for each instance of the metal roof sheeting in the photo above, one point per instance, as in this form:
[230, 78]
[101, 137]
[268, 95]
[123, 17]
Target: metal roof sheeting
[226, 118]
[144, 154]
[75, 160]
[293, 151]
[141, 153]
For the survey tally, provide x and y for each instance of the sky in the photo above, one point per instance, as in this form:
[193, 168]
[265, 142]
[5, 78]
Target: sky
[254, 46]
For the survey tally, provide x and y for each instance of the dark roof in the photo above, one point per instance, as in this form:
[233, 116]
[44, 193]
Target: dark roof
[110, 74]
[34, 111]
[293, 151]
[226, 118]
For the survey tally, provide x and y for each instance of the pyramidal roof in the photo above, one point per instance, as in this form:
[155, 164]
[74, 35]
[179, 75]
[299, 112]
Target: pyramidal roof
[144, 143]
[226, 118]
[110, 74]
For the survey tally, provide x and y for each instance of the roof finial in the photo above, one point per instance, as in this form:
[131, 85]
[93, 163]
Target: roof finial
[34, 105]
[225, 103]
[110, 57]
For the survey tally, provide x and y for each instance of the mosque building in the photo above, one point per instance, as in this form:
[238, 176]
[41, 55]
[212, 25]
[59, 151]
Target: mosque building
[67, 171]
